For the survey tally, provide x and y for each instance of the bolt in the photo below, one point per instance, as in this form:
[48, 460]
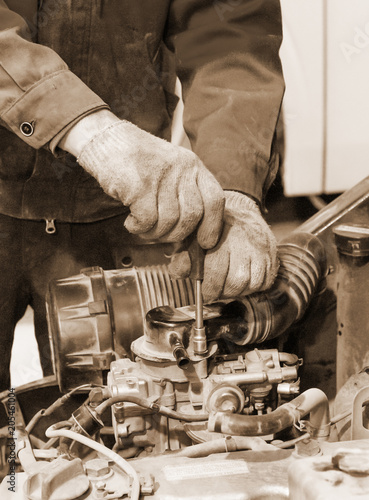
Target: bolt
[97, 467]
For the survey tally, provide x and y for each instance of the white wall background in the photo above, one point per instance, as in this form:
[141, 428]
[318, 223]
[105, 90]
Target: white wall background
[325, 56]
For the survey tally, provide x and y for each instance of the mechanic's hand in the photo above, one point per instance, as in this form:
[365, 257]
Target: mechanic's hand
[167, 188]
[245, 259]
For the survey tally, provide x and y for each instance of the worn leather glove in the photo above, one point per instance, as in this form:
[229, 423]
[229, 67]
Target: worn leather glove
[167, 188]
[244, 260]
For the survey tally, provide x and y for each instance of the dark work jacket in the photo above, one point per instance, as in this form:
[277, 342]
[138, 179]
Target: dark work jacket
[73, 57]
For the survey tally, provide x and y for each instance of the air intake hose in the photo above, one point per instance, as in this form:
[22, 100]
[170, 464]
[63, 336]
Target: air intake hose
[265, 315]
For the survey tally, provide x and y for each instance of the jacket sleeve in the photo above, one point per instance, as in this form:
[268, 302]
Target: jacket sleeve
[39, 96]
[227, 56]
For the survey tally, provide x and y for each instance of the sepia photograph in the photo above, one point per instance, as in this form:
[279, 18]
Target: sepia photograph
[184, 249]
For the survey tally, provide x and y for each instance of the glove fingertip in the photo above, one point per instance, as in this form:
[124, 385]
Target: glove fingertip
[208, 239]
[180, 265]
[136, 226]
[210, 231]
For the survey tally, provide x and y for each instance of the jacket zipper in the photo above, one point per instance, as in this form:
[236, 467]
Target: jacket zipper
[50, 226]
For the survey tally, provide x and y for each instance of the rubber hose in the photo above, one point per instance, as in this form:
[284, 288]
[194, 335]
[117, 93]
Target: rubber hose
[312, 401]
[144, 403]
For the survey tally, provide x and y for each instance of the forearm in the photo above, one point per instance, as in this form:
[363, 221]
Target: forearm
[36, 85]
[228, 63]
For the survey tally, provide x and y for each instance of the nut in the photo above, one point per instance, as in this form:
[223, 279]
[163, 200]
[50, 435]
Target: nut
[97, 467]
[307, 448]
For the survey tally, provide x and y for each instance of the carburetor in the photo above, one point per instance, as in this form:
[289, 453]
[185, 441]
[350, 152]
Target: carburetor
[167, 371]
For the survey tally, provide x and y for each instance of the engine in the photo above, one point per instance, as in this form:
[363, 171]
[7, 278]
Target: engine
[166, 392]
[139, 387]
[139, 391]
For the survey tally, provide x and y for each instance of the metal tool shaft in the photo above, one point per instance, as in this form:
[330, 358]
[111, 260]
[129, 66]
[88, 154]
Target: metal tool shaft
[197, 256]
[199, 312]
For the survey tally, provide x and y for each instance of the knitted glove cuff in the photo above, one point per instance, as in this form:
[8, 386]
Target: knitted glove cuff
[95, 146]
[238, 202]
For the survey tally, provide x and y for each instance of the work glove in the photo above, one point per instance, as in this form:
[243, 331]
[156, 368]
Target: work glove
[167, 188]
[244, 260]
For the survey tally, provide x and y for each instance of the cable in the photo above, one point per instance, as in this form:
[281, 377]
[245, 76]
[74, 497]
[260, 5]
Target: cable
[51, 432]
[291, 442]
[346, 413]
[317, 202]
[144, 403]
[340, 416]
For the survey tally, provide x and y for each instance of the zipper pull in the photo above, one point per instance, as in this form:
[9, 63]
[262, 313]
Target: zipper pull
[50, 226]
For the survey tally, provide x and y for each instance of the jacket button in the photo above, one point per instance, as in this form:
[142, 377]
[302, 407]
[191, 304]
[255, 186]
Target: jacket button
[26, 128]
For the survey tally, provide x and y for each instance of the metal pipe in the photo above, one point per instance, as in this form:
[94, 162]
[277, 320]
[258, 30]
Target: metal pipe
[312, 401]
[337, 209]
[240, 378]
[179, 352]
[257, 377]
[288, 358]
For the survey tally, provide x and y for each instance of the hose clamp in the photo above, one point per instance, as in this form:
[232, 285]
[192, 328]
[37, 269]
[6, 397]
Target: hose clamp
[322, 432]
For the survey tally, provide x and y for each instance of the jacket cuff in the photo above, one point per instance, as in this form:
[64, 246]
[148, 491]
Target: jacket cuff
[49, 107]
[52, 146]
[235, 169]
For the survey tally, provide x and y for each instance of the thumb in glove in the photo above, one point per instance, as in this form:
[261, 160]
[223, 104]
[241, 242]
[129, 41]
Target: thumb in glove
[245, 259]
